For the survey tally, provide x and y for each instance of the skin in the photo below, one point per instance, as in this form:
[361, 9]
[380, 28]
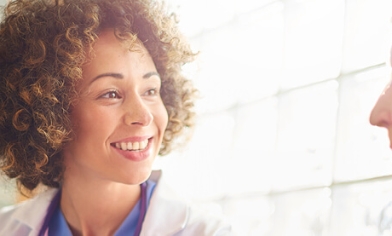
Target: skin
[119, 101]
[381, 114]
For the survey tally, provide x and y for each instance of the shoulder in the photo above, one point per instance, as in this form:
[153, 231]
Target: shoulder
[206, 219]
[25, 217]
[171, 214]
[7, 217]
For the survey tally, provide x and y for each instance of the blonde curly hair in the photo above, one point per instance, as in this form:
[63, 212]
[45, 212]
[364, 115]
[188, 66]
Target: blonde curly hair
[43, 44]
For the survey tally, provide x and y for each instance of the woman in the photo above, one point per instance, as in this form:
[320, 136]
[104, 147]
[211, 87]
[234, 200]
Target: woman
[91, 92]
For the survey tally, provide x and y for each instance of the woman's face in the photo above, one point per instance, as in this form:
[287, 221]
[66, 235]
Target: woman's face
[381, 114]
[119, 119]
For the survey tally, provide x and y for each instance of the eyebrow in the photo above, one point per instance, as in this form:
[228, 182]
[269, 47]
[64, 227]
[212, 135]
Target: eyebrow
[150, 74]
[121, 76]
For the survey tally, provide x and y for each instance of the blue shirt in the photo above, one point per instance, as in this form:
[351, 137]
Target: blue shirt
[59, 227]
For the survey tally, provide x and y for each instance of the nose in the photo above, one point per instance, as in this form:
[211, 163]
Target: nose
[381, 114]
[137, 112]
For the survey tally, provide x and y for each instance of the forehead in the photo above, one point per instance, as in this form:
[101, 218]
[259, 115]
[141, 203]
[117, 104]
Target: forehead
[109, 48]
[111, 55]
[107, 38]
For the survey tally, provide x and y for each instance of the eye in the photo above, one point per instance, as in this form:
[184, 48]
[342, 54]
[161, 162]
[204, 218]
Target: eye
[111, 95]
[152, 92]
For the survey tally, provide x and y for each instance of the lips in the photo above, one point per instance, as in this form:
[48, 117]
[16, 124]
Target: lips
[135, 149]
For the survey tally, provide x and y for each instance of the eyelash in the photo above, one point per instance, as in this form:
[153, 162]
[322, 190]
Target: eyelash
[150, 92]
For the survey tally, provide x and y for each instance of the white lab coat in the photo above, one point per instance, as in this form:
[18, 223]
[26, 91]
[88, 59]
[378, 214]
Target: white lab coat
[167, 214]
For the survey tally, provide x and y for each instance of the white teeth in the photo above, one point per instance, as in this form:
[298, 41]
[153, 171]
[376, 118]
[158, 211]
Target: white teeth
[132, 146]
[143, 144]
[123, 146]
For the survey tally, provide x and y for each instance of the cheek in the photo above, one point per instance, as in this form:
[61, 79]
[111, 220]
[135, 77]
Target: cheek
[163, 118]
[90, 123]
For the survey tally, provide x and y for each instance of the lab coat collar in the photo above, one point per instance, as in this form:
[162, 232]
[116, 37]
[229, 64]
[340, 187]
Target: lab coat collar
[167, 213]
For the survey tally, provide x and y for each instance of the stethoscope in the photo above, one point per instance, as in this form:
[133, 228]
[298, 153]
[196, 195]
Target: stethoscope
[56, 201]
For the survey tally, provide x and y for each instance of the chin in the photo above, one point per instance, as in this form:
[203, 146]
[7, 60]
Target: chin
[138, 178]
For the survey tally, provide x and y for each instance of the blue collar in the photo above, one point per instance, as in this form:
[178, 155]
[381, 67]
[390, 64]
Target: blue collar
[56, 201]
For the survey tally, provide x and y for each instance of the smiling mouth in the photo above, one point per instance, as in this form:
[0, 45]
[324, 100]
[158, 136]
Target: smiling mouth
[131, 146]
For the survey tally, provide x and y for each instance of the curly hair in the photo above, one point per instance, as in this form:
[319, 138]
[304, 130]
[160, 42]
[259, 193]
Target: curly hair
[43, 45]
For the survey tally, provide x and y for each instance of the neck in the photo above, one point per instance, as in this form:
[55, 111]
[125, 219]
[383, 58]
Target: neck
[96, 207]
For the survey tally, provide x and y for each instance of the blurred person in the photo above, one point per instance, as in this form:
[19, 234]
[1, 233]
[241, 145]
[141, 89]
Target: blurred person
[90, 93]
[381, 114]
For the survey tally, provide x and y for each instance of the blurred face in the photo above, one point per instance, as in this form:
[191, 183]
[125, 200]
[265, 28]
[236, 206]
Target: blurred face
[120, 119]
[381, 114]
